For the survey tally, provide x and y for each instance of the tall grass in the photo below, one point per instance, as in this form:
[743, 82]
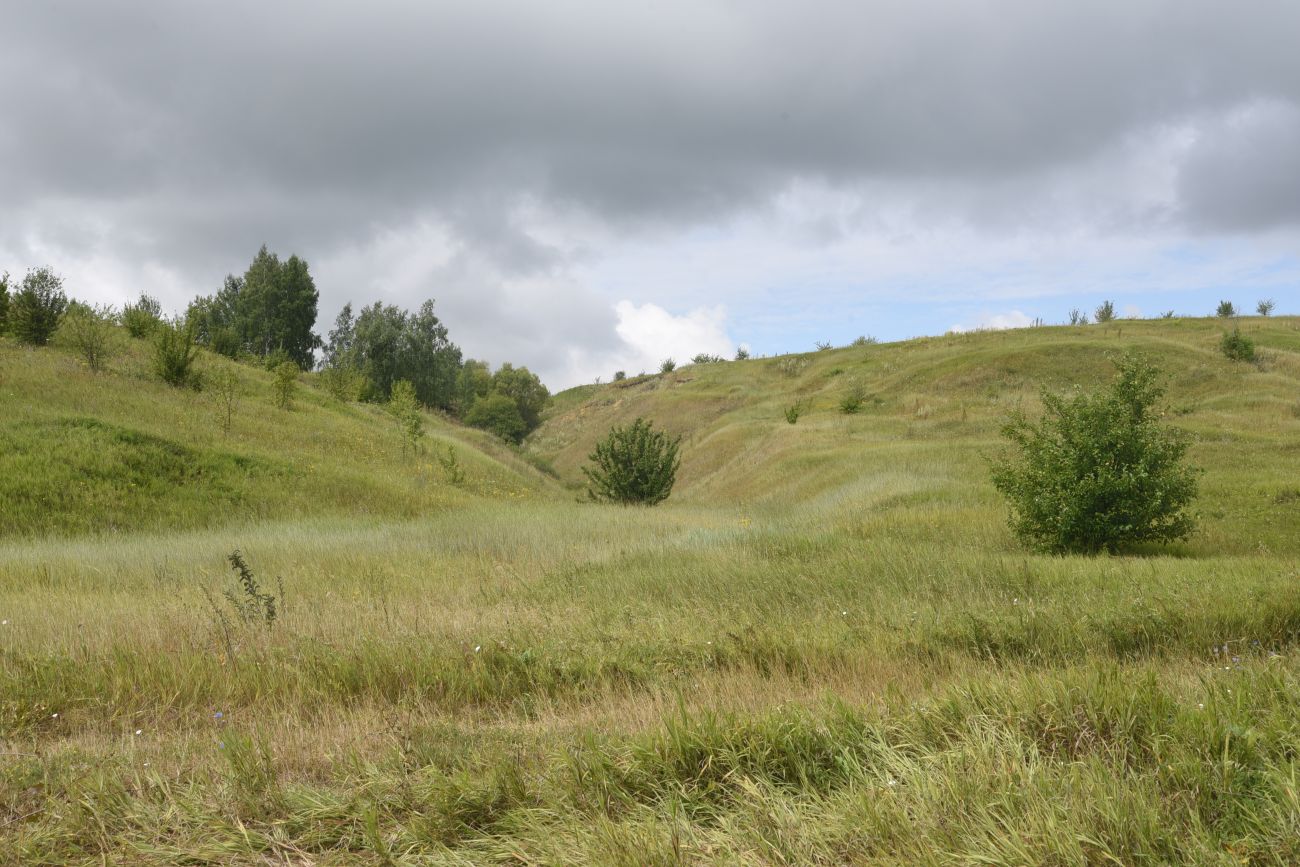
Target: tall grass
[829, 650]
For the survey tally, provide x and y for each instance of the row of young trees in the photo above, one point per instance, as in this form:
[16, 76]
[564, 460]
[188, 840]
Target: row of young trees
[267, 316]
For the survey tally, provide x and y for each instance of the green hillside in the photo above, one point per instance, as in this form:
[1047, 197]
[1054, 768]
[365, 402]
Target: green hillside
[826, 647]
[933, 407]
[120, 451]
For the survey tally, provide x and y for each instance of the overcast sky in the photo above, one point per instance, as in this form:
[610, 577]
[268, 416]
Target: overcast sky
[592, 186]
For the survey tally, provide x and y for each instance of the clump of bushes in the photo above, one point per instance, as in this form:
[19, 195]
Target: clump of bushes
[36, 307]
[705, 358]
[1105, 312]
[1265, 307]
[1078, 317]
[1225, 310]
[498, 414]
[634, 465]
[91, 333]
[174, 354]
[1237, 346]
[667, 365]
[742, 353]
[793, 412]
[1098, 472]
[142, 318]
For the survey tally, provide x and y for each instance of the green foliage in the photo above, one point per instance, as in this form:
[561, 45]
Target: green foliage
[633, 465]
[1168, 314]
[451, 468]
[285, 383]
[705, 358]
[142, 318]
[742, 353]
[251, 602]
[90, 332]
[620, 375]
[1105, 312]
[272, 307]
[1237, 346]
[387, 344]
[1098, 471]
[4, 302]
[864, 340]
[1225, 310]
[527, 391]
[824, 345]
[793, 412]
[405, 408]
[473, 382]
[174, 354]
[667, 365]
[1265, 307]
[343, 383]
[225, 390]
[36, 308]
[1078, 317]
[499, 414]
[851, 403]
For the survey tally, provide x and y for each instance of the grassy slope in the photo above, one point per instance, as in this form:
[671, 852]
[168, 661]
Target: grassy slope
[121, 452]
[825, 647]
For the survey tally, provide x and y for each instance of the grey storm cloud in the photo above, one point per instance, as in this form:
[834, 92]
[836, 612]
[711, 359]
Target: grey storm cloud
[187, 134]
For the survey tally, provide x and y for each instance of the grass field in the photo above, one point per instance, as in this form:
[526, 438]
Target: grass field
[826, 647]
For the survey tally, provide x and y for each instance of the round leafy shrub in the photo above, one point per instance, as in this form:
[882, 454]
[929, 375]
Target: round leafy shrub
[634, 465]
[1098, 471]
[1237, 346]
[37, 307]
[499, 414]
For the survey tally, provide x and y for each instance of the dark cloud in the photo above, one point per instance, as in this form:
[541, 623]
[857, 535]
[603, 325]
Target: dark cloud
[185, 135]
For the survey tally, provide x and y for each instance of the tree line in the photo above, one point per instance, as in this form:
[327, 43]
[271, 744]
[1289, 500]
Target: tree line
[267, 316]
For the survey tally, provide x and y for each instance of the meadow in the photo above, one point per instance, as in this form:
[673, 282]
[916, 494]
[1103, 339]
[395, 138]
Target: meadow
[826, 647]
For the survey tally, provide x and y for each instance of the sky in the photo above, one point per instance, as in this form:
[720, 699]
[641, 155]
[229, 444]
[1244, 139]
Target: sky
[585, 187]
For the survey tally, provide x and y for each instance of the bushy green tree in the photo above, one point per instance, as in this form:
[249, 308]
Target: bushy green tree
[1225, 310]
[1105, 312]
[387, 344]
[1098, 471]
[174, 353]
[473, 382]
[1265, 307]
[91, 333]
[36, 308]
[271, 308]
[4, 302]
[141, 318]
[668, 365]
[1237, 346]
[499, 414]
[635, 464]
[527, 391]
[215, 318]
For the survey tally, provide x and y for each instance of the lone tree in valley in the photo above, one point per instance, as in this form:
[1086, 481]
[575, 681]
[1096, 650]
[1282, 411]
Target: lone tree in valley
[1098, 471]
[634, 465]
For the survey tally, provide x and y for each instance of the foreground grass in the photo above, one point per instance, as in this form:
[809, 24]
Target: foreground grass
[826, 649]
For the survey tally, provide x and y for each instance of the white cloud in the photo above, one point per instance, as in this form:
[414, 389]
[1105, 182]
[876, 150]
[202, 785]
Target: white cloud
[652, 334]
[996, 322]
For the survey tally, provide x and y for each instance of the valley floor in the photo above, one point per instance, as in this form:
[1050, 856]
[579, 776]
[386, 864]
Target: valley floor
[838, 657]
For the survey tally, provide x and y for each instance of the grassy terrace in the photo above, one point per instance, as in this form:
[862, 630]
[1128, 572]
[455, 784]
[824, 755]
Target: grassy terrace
[826, 647]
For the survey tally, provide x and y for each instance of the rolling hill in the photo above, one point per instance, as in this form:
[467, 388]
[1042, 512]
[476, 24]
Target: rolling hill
[826, 647]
